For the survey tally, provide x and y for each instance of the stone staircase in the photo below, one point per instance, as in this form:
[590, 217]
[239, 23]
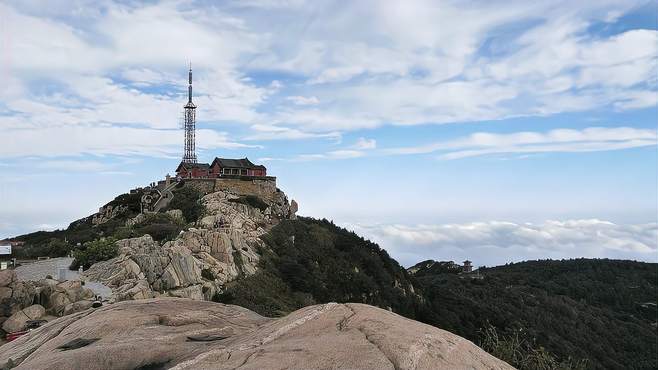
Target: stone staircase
[166, 195]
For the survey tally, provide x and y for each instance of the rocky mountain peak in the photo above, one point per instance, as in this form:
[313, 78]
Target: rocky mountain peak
[222, 246]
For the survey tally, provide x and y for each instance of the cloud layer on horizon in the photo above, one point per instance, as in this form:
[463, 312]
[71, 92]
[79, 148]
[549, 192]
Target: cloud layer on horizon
[496, 242]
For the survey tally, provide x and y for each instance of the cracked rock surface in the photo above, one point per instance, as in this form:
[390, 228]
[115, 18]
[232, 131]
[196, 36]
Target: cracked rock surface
[175, 333]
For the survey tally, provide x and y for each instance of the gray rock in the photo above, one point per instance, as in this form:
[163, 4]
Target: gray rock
[58, 301]
[7, 277]
[184, 334]
[77, 307]
[5, 293]
[176, 214]
[294, 207]
[16, 322]
[107, 213]
[15, 297]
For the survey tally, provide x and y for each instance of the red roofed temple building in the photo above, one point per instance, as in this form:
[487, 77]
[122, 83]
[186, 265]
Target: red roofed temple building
[220, 167]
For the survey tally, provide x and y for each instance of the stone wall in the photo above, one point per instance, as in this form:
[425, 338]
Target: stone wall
[205, 186]
[264, 187]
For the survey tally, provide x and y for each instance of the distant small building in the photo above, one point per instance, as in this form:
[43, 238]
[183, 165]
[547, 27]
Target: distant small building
[468, 266]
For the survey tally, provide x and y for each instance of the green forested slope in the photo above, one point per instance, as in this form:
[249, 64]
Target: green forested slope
[578, 309]
[599, 310]
[313, 261]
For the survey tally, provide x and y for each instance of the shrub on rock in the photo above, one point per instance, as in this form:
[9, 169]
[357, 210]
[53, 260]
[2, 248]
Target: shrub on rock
[95, 251]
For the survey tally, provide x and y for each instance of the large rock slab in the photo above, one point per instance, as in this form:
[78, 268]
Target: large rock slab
[182, 334]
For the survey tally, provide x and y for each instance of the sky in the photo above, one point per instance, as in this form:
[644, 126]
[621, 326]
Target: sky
[493, 131]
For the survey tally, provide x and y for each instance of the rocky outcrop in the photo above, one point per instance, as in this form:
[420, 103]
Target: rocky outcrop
[63, 298]
[144, 269]
[294, 207]
[14, 294]
[107, 213]
[183, 334]
[7, 277]
[20, 299]
[17, 321]
[223, 246]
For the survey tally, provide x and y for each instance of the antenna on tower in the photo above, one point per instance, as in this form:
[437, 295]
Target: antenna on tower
[189, 87]
[189, 123]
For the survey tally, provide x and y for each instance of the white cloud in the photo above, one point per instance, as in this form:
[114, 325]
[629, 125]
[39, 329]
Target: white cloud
[71, 165]
[558, 140]
[359, 149]
[364, 144]
[147, 77]
[269, 159]
[498, 242]
[276, 132]
[104, 140]
[369, 64]
[334, 154]
[435, 62]
[302, 100]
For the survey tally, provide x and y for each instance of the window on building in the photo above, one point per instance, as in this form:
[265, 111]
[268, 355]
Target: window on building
[243, 172]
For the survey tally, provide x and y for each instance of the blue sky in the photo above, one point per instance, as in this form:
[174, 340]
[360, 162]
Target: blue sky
[494, 131]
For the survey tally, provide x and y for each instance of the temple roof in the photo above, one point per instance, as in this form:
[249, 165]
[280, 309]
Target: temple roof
[236, 163]
[186, 165]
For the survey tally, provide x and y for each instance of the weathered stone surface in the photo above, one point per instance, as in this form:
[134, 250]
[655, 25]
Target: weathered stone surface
[294, 207]
[107, 213]
[50, 294]
[145, 269]
[183, 334]
[136, 220]
[16, 322]
[5, 293]
[7, 277]
[58, 301]
[176, 214]
[56, 296]
[77, 306]
[15, 297]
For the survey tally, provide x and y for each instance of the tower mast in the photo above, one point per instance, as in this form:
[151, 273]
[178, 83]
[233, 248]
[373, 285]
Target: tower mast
[189, 116]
